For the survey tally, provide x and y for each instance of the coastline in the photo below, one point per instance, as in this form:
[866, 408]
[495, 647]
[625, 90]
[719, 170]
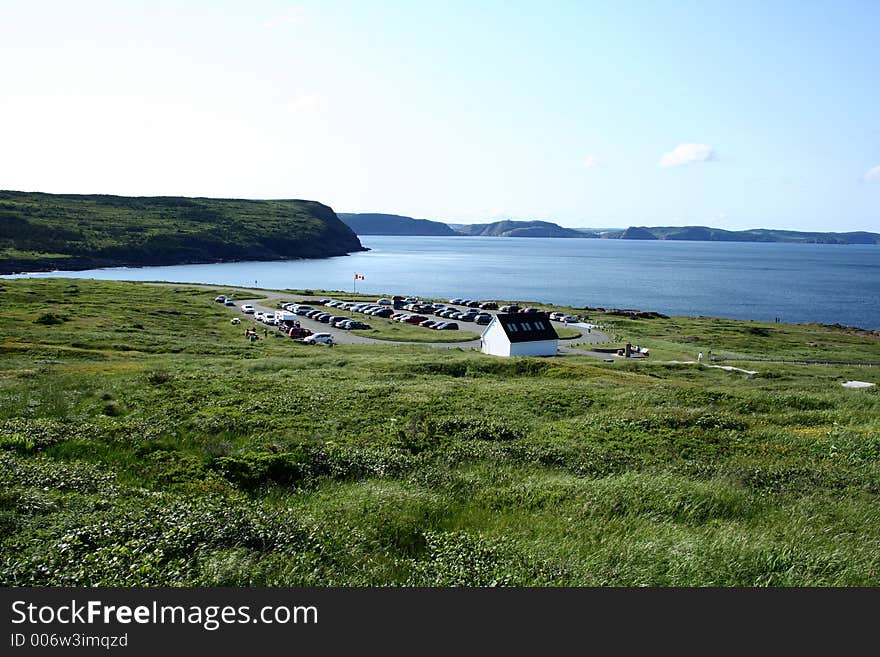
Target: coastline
[61, 265]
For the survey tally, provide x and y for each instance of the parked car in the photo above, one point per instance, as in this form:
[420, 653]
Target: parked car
[557, 317]
[569, 319]
[302, 310]
[384, 302]
[428, 323]
[448, 326]
[298, 332]
[323, 317]
[512, 308]
[531, 310]
[247, 309]
[220, 299]
[318, 338]
[355, 325]
[488, 305]
[483, 319]
[414, 319]
[455, 301]
[384, 312]
[229, 302]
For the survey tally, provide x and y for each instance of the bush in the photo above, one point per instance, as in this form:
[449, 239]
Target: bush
[50, 319]
[158, 377]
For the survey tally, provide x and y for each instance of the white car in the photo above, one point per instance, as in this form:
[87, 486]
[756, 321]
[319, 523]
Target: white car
[319, 338]
[247, 309]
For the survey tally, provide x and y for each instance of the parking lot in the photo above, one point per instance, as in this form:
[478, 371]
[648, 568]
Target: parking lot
[266, 302]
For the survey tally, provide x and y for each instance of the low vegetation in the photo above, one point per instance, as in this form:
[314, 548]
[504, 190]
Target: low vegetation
[69, 231]
[144, 442]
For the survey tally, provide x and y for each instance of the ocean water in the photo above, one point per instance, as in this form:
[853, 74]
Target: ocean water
[795, 282]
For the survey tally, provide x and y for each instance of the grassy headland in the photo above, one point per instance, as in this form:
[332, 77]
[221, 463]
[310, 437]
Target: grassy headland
[143, 441]
[41, 232]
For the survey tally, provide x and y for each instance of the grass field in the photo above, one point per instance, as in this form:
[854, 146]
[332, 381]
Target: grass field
[144, 442]
[385, 329]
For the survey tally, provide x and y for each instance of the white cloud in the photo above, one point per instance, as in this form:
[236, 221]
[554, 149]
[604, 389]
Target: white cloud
[688, 153]
[304, 103]
[292, 16]
[591, 162]
[873, 174]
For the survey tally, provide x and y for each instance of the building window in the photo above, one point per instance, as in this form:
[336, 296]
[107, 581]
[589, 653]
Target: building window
[539, 325]
[526, 326]
[512, 328]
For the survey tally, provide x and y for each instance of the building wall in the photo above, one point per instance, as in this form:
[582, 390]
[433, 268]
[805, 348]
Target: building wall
[542, 348]
[495, 341]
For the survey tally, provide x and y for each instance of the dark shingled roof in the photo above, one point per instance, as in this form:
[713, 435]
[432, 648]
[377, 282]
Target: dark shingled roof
[527, 327]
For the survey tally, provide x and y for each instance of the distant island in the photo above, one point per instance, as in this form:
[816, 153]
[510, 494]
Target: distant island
[42, 232]
[519, 229]
[387, 224]
[393, 224]
[704, 234]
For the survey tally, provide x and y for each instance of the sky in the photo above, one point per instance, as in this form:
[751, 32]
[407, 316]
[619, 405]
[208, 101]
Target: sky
[733, 115]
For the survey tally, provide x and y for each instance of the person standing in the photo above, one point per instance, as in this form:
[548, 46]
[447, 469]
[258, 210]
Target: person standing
[700, 357]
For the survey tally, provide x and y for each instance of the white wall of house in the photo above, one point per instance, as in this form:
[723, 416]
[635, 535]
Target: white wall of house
[495, 340]
[496, 343]
[541, 348]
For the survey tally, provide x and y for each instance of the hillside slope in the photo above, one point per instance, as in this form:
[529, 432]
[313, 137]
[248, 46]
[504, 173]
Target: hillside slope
[70, 231]
[521, 229]
[705, 234]
[393, 224]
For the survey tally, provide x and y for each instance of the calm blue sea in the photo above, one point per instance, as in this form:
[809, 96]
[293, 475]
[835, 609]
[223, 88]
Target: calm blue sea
[795, 282]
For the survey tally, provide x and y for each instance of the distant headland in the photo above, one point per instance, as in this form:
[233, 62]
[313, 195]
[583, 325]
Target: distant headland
[43, 232]
[387, 224]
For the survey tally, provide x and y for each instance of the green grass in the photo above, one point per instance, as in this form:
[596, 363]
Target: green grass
[144, 442]
[567, 333]
[385, 329]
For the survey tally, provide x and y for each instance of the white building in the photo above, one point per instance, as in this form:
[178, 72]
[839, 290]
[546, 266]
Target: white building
[520, 334]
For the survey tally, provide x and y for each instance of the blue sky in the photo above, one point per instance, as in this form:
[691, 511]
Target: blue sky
[591, 114]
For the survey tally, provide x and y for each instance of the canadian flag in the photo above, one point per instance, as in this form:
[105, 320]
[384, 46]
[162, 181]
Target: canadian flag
[358, 277]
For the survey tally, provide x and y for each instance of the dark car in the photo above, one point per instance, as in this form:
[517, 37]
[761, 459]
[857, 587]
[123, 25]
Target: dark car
[323, 317]
[512, 308]
[428, 323]
[488, 305]
[355, 325]
[448, 326]
[483, 319]
[473, 304]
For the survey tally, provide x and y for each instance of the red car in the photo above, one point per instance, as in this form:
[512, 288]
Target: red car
[414, 319]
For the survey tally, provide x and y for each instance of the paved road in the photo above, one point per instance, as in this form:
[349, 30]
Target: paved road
[261, 301]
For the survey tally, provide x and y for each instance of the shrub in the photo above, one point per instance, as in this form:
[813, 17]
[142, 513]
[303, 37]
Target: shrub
[50, 319]
[158, 377]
